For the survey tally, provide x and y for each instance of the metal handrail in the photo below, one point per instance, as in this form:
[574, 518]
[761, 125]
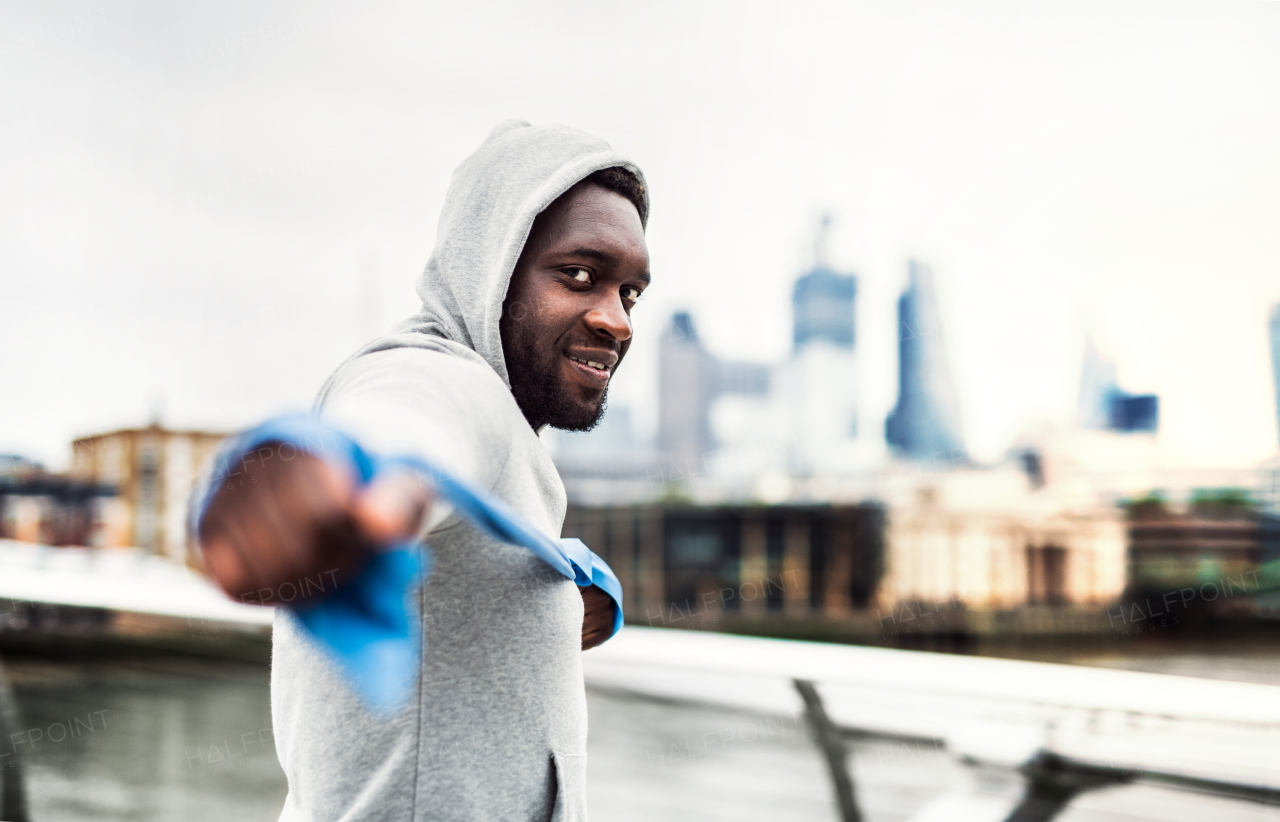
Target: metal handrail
[1066, 729]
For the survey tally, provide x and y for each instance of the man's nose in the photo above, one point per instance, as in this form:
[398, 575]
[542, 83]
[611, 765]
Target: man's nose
[610, 319]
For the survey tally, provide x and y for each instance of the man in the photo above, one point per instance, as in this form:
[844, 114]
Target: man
[539, 258]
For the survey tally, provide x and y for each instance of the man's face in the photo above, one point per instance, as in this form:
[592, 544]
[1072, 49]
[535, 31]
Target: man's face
[566, 321]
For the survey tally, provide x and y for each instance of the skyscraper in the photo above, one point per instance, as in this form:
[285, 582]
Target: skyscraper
[925, 423]
[686, 386]
[689, 380]
[823, 303]
[818, 384]
[822, 300]
[1097, 383]
[1103, 405]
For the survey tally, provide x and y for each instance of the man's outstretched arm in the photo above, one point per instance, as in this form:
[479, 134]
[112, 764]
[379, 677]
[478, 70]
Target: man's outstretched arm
[274, 519]
[282, 516]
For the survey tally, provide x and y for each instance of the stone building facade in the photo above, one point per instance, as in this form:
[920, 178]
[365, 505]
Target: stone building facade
[154, 470]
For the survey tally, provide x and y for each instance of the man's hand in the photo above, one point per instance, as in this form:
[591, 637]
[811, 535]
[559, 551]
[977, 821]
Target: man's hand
[598, 611]
[277, 525]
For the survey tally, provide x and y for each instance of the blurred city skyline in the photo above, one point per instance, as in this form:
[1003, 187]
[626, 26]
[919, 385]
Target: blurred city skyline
[206, 212]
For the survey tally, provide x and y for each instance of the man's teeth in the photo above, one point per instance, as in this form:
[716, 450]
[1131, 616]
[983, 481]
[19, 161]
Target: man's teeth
[591, 363]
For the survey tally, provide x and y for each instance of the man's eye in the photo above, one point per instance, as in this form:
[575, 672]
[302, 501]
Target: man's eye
[581, 275]
[630, 293]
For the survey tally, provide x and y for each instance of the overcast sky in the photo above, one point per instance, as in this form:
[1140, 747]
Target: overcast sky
[203, 211]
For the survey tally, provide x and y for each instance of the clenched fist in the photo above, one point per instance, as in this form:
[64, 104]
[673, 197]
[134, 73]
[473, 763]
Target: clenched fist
[288, 526]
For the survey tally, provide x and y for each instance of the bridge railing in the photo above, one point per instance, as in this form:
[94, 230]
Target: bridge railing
[1066, 728]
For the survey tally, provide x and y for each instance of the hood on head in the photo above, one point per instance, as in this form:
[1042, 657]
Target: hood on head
[492, 201]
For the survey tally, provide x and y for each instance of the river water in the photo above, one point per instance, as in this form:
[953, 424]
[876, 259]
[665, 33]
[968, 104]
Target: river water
[191, 741]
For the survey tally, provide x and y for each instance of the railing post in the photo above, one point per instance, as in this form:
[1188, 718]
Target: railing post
[833, 749]
[13, 793]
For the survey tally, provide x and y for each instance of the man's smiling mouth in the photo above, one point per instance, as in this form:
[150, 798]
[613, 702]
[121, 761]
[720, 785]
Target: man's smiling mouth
[599, 366]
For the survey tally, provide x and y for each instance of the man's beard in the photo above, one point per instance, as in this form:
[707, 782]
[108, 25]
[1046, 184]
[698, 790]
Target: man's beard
[540, 390]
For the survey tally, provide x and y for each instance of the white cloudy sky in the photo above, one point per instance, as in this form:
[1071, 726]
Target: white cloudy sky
[203, 211]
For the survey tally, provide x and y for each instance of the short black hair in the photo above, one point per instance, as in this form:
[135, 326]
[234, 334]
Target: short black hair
[622, 181]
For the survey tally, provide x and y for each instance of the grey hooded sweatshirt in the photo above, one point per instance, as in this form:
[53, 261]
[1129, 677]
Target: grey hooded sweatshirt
[497, 729]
